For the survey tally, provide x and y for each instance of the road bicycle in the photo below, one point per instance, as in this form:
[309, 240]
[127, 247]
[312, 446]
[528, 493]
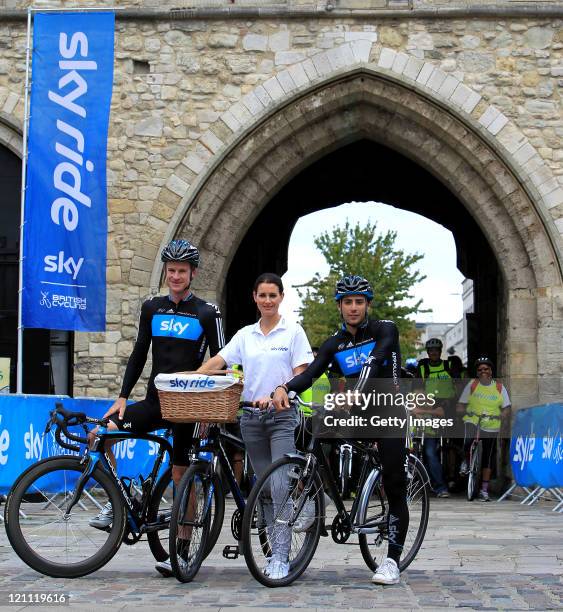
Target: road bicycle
[293, 486]
[50, 505]
[194, 528]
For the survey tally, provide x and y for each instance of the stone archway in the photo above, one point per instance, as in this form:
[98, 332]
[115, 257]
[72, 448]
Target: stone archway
[364, 105]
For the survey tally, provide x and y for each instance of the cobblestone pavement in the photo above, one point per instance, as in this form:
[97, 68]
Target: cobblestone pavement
[476, 556]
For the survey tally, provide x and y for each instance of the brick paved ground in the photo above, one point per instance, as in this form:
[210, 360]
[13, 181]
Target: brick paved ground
[476, 556]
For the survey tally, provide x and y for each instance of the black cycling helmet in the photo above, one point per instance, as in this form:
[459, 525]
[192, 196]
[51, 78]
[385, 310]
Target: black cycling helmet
[353, 285]
[181, 250]
[484, 361]
[434, 343]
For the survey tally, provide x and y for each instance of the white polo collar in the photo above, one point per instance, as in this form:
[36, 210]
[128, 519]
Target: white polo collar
[280, 325]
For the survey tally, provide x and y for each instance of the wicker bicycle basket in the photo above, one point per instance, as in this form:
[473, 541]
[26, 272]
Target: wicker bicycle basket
[219, 406]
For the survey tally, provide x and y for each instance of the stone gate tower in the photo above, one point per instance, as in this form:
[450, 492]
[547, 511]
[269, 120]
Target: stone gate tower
[231, 119]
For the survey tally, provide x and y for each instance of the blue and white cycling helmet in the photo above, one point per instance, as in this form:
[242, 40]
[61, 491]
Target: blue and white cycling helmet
[353, 285]
[181, 250]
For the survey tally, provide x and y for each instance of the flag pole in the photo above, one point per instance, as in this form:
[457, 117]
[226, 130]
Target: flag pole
[19, 385]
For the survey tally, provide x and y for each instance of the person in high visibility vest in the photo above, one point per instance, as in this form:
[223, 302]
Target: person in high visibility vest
[438, 381]
[486, 404]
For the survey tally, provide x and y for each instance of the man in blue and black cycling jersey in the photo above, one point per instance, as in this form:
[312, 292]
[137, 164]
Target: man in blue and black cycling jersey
[180, 327]
[365, 349]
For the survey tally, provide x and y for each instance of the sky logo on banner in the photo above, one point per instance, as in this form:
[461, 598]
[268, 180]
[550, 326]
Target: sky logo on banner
[66, 187]
[33, 442]
[524, 450]
[58, 263]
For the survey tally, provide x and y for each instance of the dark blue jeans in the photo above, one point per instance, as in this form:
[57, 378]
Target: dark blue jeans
[433, 464]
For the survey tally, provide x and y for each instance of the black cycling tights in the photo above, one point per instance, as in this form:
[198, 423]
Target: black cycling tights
[394, 461]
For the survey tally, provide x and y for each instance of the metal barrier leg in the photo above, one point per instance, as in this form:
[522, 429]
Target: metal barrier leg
[537, 496]
[530, 494]
[507, 492]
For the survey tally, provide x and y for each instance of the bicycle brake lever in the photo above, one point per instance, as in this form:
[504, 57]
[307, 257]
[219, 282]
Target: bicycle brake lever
[50, 422]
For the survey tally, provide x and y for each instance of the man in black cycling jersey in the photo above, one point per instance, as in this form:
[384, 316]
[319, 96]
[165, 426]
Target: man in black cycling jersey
[365, 349]
[180, 327]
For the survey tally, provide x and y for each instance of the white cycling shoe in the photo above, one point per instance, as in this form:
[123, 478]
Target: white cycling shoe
[387, 573]
[104, 518]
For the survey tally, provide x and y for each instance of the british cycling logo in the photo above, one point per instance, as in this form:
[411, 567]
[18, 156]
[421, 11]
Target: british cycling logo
[62, 301]
[45, 301]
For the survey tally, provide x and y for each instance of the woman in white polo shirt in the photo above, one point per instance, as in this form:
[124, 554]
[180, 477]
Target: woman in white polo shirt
[271, 352]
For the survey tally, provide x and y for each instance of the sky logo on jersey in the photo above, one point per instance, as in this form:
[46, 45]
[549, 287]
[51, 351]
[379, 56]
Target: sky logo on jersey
[352, 360]
[184, 328]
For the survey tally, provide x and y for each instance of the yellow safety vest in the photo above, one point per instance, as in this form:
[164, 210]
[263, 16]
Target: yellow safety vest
[438, 382]
[485, 401]
[316, 393]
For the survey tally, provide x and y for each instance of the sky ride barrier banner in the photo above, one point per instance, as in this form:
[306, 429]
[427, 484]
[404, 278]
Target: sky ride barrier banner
[65, 230]
[22, 443]
[536, 448]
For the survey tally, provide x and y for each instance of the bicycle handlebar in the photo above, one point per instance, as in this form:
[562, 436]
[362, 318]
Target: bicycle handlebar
[63, 419]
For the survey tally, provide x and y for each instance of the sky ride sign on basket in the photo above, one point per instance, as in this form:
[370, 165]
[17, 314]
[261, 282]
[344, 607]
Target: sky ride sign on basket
[194, 382]
[190, 397]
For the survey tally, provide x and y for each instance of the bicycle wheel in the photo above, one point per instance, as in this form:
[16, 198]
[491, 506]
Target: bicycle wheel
[283, 494]
[474, 470]
[48, 539]
[190, 523]
[375, 512]
[159, 511]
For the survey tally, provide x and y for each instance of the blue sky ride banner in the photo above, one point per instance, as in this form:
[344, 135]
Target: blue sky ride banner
[65, 231]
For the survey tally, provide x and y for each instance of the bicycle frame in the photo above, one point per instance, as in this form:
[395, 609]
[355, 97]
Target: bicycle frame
[214, 445]
[97, 455]
[370, 471]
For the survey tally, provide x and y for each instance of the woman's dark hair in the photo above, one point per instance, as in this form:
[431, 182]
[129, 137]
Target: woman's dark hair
[268, 277]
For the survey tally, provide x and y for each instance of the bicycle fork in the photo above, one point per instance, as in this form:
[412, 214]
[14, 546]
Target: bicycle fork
[80, 484]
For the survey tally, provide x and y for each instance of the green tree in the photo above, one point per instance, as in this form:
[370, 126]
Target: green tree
[361, 250]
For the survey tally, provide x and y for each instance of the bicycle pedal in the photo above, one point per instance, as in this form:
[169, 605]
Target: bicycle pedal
[231, 552]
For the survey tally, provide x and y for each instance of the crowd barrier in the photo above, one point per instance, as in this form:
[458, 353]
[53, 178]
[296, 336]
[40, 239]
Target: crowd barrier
[536, 453]
[22, 443]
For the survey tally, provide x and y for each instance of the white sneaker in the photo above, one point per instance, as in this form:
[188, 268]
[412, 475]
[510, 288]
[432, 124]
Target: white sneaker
[306, 518]
[484, 496]
[104, 518]
[165, 567]
[387, 573]
[277, 569]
